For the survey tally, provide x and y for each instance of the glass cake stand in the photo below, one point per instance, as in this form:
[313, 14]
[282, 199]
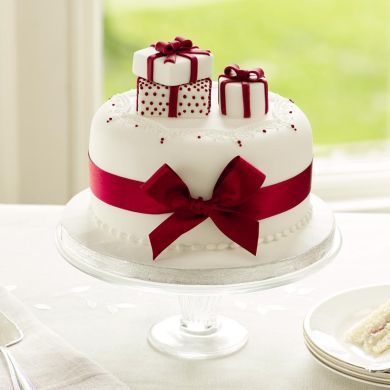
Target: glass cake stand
[198, 332]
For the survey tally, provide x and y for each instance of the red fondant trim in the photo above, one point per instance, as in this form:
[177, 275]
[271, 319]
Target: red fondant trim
[246, 99]
[173, 92]
[128, 194]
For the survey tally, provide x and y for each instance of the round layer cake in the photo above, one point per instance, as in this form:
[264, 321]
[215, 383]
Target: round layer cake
[131, 146]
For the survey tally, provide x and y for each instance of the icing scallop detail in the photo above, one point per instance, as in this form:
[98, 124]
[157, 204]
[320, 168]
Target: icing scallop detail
[278, 118]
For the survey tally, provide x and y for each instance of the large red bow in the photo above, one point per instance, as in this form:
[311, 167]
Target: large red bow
[229, 207]
[235, 73]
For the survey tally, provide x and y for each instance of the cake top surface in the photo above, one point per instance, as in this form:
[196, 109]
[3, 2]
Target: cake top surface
[283, 115]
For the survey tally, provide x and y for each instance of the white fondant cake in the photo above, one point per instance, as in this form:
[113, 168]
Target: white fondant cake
[134, 147]
[172, 125]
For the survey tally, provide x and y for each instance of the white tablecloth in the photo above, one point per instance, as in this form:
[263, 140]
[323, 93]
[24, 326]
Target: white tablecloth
[109, 323]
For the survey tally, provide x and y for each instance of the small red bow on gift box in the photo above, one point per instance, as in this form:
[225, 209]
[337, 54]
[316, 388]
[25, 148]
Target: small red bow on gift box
[234, 72]
[178, 47]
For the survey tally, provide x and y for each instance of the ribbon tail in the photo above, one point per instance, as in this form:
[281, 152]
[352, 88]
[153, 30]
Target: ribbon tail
[239, 228]
[171, 229]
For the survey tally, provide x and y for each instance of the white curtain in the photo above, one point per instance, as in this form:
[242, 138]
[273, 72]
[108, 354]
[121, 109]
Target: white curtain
[50, 86]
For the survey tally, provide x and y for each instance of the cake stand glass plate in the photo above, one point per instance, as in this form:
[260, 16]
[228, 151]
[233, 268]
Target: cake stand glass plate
[198, 333]
[325, 328]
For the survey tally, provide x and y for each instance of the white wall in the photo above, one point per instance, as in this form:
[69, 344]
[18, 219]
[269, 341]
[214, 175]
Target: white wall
[50, 80]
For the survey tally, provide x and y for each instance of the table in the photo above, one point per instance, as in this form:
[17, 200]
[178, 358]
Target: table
[109, 323]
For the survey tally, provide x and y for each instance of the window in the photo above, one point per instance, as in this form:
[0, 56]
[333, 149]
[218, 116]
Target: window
[329, 56]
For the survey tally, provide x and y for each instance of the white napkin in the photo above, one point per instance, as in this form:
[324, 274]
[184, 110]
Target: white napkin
[49, 362]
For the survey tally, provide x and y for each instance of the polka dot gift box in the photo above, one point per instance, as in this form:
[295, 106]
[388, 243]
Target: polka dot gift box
[173, 80]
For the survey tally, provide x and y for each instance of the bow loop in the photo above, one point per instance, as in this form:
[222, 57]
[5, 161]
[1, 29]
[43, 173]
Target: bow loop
[167, 188]
[239, 181]
[234, 72]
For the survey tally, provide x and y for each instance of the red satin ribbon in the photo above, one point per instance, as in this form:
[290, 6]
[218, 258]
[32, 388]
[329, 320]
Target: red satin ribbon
[233, 74]
[179, 47]
[238, 202]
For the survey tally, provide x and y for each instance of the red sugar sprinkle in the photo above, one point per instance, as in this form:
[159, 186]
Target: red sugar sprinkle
[292, 126]
[113, 104]
[154, 94]
[199, 137]
[142, 113]
[160, 104]
[147, 108]
[136, 124]
[193, 96]
[290, 112]
[264, 130]
[188, 104]
[143, 101]
[184, 96]
[163, 95]
[146, 93]
[192, 111]
[151, 103]
[202, 97]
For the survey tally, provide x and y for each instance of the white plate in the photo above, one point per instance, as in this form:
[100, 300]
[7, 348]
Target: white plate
[326, 325]
[342, 366]
[345, 372]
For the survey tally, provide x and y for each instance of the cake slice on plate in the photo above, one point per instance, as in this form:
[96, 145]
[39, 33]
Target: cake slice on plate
[372, 333]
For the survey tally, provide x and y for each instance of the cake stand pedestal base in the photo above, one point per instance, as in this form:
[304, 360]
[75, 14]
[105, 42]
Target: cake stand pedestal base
[198, 333]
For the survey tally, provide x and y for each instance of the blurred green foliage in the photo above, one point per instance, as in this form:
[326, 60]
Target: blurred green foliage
[330, 56]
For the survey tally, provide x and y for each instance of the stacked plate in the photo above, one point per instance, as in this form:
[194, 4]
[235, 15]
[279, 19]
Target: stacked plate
[325, 328]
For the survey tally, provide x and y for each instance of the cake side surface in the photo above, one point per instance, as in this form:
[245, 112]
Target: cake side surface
[124, 144]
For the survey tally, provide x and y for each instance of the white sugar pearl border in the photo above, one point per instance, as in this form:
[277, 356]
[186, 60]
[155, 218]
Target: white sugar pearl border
[135, 240]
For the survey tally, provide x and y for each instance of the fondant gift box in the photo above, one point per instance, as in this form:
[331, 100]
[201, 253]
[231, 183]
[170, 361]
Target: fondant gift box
[174, 79]
[243, 93]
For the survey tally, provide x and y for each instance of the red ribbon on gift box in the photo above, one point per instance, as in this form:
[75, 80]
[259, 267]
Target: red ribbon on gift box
[234, 74]
[178, 47]
[238, 203]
